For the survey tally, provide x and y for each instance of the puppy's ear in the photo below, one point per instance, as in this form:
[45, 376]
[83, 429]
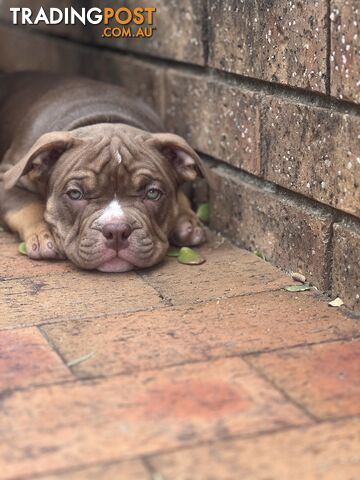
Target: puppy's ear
[183, 158]
[40, 159]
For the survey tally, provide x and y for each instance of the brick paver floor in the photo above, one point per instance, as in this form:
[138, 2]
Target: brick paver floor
[207, 372]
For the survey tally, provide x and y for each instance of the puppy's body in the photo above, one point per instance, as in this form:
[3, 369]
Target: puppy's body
[61, 135]
[32, 104]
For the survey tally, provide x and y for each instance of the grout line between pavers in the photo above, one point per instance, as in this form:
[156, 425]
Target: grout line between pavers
[78, 379]
[251, 436]
[55, 321]
[152, 471]
[147, 457]
[165, 300]
[287, 396]
[346, 339]
[54, 348]
[131, 312]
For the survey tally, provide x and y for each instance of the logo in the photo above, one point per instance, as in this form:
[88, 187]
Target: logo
[121, 22]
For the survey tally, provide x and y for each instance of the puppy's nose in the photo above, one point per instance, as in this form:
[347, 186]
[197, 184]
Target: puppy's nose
[116, 234]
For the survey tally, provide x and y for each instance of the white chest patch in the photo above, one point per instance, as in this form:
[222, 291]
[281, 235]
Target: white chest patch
[113, 212]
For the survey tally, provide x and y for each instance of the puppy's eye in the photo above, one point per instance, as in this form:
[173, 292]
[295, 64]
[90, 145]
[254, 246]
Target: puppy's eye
[75, 194]
[153, 194]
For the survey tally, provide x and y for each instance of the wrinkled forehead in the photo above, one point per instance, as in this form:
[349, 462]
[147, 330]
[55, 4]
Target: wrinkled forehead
[118, 159]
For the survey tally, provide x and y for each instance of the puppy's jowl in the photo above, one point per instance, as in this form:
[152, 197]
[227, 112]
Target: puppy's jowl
[87, 174]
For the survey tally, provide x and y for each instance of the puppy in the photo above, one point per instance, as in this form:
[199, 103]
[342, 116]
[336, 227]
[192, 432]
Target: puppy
[88, 174]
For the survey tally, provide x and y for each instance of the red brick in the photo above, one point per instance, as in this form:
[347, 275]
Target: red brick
[345, 49]
[217, 118]
[150, 340]
[15, 265]
[313, 151]
[74, 424]
[292, 235]
[47, 298]
[131, 470]
[324, 378]
[228, 272]
[27, 359]
[346, 264]
[279, 41]
[323, 452]
[6, 238]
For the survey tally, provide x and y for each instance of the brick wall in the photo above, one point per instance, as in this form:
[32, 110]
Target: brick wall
[268, 91]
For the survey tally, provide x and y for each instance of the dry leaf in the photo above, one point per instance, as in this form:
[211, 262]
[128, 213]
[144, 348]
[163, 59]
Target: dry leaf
[337, 302]
[72, 363]
[298, 277]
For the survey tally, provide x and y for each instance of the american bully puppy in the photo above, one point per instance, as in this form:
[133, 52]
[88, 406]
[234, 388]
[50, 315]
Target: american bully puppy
[88, 174]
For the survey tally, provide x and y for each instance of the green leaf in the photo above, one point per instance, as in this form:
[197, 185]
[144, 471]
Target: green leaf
[190, 257]
[203, 212]
[298, 288]
[173, 252]
[2, 229]
[22, 248]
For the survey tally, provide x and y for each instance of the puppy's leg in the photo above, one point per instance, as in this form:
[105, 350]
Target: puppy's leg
[23, 213]
[188, 230]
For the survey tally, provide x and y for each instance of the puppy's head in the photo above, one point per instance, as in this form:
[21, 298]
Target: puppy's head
[110, 192]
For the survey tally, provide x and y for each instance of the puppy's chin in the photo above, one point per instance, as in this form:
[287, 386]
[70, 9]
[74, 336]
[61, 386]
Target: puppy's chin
[115, 265]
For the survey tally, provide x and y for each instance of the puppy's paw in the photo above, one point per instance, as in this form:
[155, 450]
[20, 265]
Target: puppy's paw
[40, 245]
[189, 231]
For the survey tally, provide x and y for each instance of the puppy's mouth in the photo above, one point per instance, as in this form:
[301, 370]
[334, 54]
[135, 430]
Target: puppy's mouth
[123, 260]
[93, 254]
[115, 265]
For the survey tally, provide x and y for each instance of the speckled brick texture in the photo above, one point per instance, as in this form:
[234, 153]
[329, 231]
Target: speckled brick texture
[232, 128]
[292, 235]
[178, 35]
[345, 49]
[279, 41]
[346, 264]
[313, 151]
